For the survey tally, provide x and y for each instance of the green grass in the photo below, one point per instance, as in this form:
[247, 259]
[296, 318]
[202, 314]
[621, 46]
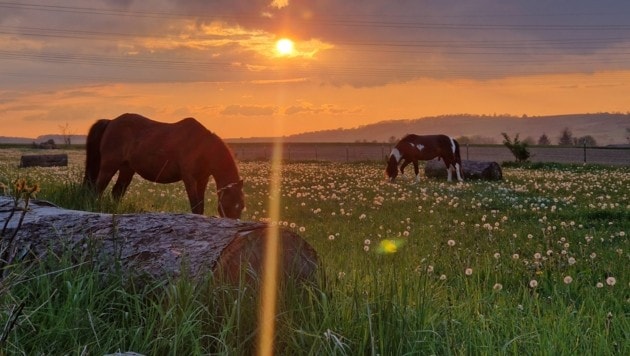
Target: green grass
[547, 224]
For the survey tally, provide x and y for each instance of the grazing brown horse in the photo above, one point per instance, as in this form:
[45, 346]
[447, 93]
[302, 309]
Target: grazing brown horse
[412, 148]
[163, 153]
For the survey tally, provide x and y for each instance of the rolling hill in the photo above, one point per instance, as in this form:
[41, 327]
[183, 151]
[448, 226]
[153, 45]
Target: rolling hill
[606, 128]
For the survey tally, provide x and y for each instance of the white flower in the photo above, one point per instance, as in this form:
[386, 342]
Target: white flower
[611, 281]
[469, 271]
[451, 242]
[497, 286]
[571, 261]
[533, 283]
[568, 280]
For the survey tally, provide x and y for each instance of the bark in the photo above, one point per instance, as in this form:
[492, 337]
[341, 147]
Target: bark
[44, 160]
[471, 170]
[159, 245]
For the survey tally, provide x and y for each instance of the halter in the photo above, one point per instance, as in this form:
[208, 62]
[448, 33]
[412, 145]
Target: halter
[220, 194]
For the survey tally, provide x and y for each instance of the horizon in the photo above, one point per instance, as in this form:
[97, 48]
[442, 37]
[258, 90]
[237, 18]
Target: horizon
[244, 69]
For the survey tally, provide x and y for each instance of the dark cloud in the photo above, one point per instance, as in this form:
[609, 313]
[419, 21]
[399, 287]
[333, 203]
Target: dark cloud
[371, 42]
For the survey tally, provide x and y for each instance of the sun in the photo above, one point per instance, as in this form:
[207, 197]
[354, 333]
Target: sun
[285, 47]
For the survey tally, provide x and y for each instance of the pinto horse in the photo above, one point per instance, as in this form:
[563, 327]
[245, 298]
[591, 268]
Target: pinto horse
[163, 153]
[412, 148]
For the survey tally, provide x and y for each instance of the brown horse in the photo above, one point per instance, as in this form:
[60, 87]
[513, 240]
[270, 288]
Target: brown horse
[412, 148]
[163, 153]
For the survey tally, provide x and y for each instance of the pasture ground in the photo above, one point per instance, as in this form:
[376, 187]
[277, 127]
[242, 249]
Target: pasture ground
[533, 264]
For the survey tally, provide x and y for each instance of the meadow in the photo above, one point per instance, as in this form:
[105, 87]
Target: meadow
[533, 264]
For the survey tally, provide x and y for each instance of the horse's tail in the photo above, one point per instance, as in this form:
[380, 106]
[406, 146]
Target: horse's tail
[93, 152]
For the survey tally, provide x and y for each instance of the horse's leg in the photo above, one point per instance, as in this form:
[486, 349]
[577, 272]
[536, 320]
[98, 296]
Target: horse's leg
[125, 174]
[105, 175]
[402, 167]
[196, 190]
[416, 169]
[458, 170]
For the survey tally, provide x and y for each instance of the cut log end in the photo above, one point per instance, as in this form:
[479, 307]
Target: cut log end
[479, 170]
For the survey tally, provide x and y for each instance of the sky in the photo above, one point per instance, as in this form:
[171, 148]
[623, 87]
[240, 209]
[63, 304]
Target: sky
[65, 64]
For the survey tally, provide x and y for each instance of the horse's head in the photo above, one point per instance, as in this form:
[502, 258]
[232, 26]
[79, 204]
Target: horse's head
[392, 166]
[231, 200]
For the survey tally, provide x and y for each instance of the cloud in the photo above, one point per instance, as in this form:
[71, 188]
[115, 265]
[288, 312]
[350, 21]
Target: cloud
[249, 110]
[307, 108]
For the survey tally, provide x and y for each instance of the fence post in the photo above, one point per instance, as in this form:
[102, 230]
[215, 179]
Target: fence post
[584, 151]
[467, 151]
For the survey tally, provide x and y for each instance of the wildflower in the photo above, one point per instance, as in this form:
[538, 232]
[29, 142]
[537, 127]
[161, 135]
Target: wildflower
[515, 256]
[469, 271]
[331, 237]
[571, 261]
[568, 280]
[366, 248]
[302, 229]
[442, 277]
[533, 283]
[429, 269]
[611, 281]
[599, 285]
[367, 242]
[497, 255]
[451, 243]
[497, 286]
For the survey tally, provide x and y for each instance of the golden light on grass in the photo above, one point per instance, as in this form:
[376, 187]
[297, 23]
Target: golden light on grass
[267, 312]
[389, 246]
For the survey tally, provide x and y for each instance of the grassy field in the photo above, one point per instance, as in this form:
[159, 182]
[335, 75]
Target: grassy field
[533, 264]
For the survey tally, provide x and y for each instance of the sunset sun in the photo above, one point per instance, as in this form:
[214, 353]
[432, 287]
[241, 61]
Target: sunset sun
[284, 47]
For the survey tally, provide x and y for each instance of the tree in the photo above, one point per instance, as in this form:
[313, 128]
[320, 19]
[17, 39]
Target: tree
[66, 133]
[518, 148]
[587, 140]
[544, 140]
[566, 138]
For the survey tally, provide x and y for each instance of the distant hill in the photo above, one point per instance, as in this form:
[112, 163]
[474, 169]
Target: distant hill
[59, 139]
[606, 128]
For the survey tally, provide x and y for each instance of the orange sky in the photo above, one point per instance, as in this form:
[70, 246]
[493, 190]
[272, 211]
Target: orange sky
[71, 63]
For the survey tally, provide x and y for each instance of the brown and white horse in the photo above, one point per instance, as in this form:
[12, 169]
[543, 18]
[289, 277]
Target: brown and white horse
[412, 148]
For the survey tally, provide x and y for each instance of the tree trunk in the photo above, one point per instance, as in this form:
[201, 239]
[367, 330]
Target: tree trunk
[160, 245]
[470, 169]
[44, 160]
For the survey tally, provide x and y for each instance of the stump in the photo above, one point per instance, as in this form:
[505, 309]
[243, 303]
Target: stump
[160, 245]
[57, 160]
[470, 169]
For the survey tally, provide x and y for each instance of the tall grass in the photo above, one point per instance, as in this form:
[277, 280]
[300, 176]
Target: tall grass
[534, 264]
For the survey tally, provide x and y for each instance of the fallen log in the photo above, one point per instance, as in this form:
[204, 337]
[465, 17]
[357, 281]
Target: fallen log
[58, 160]
[160, 245]
[471, 169]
